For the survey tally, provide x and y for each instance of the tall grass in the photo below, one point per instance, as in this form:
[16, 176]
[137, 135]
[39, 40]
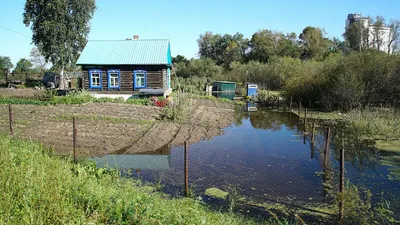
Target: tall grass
[375, 121]
[37, 188]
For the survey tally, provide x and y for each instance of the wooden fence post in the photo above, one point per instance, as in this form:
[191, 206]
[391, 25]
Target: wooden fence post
[305, 119]
[327, 145]
[279, 103]
[10, 118]
[313, 133]
[299, 110]
[290, 105]
[186, 169]
[74, 137]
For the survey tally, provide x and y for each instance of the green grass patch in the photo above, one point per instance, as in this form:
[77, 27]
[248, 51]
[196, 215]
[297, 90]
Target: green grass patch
[103, 118]
[38, 188]
[216, 193]
[212, 98]
[73, 98]
[19, 101]
[319, 115]
[388, 145]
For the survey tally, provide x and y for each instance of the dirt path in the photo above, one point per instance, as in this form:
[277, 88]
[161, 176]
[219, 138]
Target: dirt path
[109, 128]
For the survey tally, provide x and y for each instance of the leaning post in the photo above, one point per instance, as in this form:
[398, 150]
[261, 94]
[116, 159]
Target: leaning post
[10, 118]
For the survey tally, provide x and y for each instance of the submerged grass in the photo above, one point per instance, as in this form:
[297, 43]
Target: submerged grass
[40, 189]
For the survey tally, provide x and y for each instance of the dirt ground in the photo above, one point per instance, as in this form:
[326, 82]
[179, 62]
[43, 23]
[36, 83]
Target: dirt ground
[110, 128]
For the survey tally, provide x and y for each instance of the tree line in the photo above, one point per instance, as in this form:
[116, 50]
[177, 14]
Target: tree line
[323, 73]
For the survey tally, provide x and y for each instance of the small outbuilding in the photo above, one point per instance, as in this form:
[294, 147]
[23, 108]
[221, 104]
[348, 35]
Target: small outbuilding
[126, 66]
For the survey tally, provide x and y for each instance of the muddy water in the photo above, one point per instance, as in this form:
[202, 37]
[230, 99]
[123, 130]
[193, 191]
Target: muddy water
[267, 156]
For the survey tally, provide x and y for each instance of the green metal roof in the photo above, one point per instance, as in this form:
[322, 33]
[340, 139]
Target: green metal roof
[126, 52]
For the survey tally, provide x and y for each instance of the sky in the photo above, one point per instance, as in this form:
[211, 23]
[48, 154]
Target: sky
[183, 21]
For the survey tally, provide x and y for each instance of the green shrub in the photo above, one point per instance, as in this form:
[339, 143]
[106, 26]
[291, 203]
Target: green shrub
[138, 101]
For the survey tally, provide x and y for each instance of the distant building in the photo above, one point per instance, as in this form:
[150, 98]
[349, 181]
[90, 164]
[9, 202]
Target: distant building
[378, 37]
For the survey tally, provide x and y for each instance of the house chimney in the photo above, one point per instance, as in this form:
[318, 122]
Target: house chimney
[135, 37]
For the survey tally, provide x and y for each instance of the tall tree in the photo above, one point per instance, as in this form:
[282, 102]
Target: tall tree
[223, 49]
[394, 36]
[263, 45]
[315, 44]
[60, 29]
[377, 33]
[38, 60]
[23, 66]
[5, 66]
[356, 36]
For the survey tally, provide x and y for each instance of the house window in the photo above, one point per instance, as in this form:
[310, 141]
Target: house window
[95, 79]
[114, 79]
[139, 79]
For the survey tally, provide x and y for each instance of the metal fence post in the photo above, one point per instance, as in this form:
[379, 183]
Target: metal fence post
[186, 169]
[74, 137]
[10, 118]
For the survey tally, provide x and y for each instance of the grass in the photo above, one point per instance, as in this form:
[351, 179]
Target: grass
[18, 101]
[73, 98]
[388, 145]
[212, 98]
[311, 114]
[38, 188]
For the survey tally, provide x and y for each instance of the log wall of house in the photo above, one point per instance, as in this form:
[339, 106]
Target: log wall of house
[154, 77]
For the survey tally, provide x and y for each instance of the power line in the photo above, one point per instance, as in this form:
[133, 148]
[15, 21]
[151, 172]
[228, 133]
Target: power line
[15, 31]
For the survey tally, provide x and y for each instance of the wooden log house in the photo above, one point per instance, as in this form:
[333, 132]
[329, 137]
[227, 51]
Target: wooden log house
[126, 66]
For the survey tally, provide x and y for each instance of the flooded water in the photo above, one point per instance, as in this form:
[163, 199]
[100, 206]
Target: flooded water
[268, 157]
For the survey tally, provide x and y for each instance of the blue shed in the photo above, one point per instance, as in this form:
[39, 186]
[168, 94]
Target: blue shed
[252, 90]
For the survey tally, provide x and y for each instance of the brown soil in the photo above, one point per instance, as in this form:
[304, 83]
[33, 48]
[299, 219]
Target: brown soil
[109, 128]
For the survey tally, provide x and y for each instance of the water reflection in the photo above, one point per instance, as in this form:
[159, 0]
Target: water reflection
[137, 162]
[269, 157]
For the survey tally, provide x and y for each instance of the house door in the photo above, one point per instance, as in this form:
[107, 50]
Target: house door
[139, 79]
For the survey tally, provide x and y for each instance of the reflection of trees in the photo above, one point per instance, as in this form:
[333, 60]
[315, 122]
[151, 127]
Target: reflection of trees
[393, 162]
[359, 153]
[271, 120]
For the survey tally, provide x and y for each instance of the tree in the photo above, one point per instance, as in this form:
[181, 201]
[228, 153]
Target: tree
[356, 36]
[5, 65]
[23, 66]
[180, 59]
[38, 60]
[394, 36]
[263, 45]
[60, 29]
[377, 33]
[223, 50]
[315, 44]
